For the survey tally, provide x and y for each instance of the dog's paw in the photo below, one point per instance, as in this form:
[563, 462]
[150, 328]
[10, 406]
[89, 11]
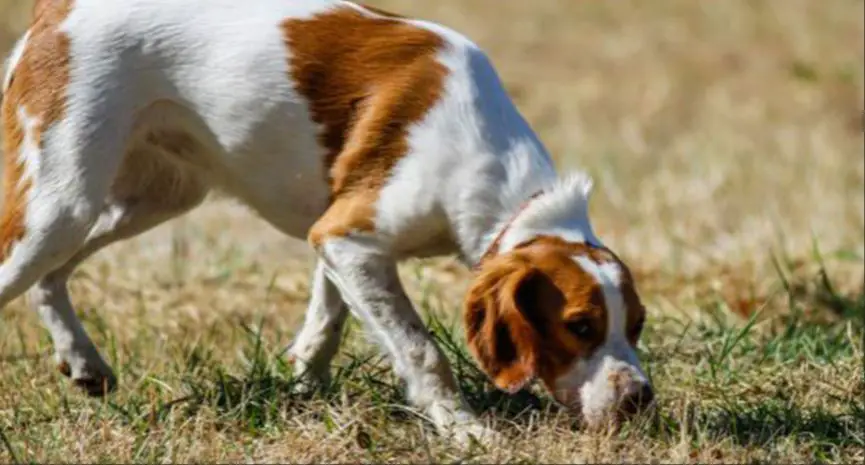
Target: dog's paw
[306, 386]
[87, 371]
[475, 433]
[307, 379]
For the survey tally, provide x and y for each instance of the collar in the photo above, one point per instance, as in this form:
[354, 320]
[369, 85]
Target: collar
[493, 248]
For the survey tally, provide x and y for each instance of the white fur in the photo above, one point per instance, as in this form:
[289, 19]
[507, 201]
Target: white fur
[218, 71]
[318, 339]
[609, 276]
[563, 211]
[368, 282]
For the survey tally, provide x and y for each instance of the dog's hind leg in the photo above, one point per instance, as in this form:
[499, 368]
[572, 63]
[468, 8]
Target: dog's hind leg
[51, 199]
[318, 340]
[148, 191]
[71, 187]
[56, 177]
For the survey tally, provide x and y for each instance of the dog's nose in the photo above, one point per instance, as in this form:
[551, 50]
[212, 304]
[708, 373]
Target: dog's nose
[637, 400]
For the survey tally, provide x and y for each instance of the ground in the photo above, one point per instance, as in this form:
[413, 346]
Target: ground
[726, 141]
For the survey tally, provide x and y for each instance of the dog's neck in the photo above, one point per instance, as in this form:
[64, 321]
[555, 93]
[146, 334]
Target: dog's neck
[508, 191]
[530, 201]
[493, 247]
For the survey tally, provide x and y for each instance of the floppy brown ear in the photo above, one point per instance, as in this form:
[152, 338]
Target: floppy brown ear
[500, 333]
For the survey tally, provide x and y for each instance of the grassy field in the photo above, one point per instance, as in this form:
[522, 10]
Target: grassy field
[726, 141]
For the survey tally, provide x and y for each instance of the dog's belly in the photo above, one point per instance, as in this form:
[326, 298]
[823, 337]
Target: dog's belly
[281, 174]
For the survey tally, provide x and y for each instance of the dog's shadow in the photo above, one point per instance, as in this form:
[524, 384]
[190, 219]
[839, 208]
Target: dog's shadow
[267, 391]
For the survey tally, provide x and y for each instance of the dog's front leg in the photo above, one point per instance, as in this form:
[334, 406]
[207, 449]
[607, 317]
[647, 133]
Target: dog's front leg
[368, 282]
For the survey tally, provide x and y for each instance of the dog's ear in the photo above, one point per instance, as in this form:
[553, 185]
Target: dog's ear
[504, 322]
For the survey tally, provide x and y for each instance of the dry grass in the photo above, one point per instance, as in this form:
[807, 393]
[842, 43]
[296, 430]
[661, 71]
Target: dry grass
[726, 139]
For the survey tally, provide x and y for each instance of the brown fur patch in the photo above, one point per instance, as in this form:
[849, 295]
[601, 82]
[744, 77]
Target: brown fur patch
[64, 369]
[367, 79]
[153, 172]
[636, 311]
[38, 86]
[14, 191]
[500, 336]
[538, 293]
[177, 143]
[41, 6]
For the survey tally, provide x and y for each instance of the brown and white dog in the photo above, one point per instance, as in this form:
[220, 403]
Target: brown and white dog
[375, 137]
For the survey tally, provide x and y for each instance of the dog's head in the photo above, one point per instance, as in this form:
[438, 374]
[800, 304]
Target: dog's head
[567, 314]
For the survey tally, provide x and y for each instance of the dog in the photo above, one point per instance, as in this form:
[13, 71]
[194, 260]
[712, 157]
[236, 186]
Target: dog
[373, 136]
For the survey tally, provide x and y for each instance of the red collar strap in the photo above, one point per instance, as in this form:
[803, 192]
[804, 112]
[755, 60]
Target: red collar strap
[493, 248]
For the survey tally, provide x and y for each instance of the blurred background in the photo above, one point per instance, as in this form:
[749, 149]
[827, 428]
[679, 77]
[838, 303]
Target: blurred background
[722, 135]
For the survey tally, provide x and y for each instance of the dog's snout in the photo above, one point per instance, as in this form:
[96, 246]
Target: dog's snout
[637, 400]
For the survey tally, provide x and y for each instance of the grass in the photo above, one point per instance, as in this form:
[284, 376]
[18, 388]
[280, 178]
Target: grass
[726, 139]
[774, 390]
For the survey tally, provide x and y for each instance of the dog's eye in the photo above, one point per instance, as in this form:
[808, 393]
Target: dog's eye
[581, 328]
